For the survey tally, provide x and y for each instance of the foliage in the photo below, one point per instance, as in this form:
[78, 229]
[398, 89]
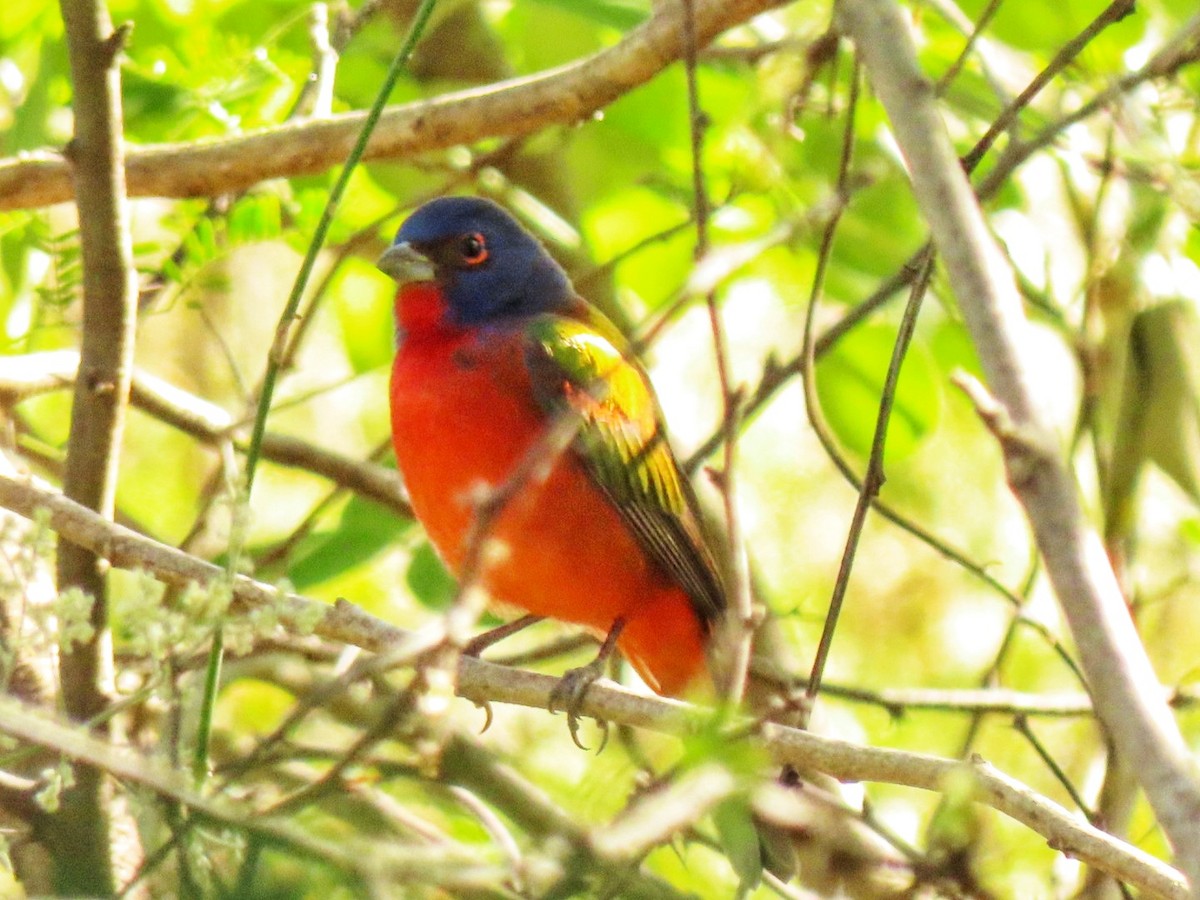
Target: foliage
[1097, 217]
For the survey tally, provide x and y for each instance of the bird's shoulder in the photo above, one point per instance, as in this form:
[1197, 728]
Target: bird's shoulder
[580, 365]
[578, 359]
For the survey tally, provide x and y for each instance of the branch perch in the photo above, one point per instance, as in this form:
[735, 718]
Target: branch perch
[480, 681]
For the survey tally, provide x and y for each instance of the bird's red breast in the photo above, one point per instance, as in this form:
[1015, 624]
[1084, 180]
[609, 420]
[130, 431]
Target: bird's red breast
[464, 414]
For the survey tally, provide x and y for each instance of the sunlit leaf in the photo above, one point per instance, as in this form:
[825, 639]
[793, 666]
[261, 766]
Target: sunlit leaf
[364, 531]
[428, 579]
[256, 217]
[850, 383]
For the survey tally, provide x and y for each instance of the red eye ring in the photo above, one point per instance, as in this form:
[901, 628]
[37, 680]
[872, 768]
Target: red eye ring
[474, 249]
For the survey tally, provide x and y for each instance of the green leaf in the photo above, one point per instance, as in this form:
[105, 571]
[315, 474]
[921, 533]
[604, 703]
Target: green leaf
[428, 579]
[154, 105]
[630, 217]
[1189, 530]
[364, 530]
[256, 217]
[953, 349]
[850, 383]
[16, 240]
[739, 839]
[1159, 417]
[880, 230]
[33, 123]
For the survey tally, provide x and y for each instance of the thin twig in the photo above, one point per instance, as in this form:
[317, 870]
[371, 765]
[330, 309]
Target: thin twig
[275, 357]
[812, 403]
[1021, 724]
[1119, 672]
[992, 673]
[873, 479]
[1174, 54]
[978, 28]
[1114, 12]
[440, 865]
[26, 376]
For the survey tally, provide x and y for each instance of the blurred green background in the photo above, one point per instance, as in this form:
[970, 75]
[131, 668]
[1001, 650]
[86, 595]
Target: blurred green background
[1099, 222]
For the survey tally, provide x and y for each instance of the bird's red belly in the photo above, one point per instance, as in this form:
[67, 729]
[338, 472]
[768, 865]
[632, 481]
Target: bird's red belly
[463, 416]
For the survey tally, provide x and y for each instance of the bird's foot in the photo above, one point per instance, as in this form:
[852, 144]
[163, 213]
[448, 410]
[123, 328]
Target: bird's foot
[568, 696]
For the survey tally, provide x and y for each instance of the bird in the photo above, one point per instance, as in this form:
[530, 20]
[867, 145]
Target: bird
[521, 417]
[496, 354]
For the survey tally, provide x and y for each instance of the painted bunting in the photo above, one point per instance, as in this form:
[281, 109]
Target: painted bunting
[496, 354]
[496, 350]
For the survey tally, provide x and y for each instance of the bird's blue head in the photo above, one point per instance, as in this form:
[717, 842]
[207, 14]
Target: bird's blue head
[488, 267]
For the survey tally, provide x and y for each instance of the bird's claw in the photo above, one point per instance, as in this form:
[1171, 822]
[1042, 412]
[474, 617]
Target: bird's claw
[568, 696]
[486, 706]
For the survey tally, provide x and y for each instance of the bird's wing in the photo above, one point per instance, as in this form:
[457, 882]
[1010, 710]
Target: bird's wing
[577, 367]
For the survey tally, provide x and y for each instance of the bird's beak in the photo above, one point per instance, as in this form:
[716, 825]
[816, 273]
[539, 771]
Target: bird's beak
[405, 263]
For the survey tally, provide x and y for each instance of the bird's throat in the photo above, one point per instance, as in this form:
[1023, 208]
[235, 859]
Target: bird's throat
[421, 309]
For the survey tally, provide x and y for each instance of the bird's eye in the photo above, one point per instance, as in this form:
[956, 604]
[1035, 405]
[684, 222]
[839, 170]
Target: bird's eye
[474, 249]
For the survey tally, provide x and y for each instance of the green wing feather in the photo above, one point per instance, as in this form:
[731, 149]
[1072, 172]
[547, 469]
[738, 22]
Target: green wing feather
[577, 365]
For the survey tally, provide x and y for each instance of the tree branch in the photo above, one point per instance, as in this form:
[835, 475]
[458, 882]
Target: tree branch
[560, 96]
[80, 835]
[1122, 681]
[484, 682]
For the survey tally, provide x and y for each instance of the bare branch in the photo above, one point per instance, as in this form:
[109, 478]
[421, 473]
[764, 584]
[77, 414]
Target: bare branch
[560, 96]
[1114, 12]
